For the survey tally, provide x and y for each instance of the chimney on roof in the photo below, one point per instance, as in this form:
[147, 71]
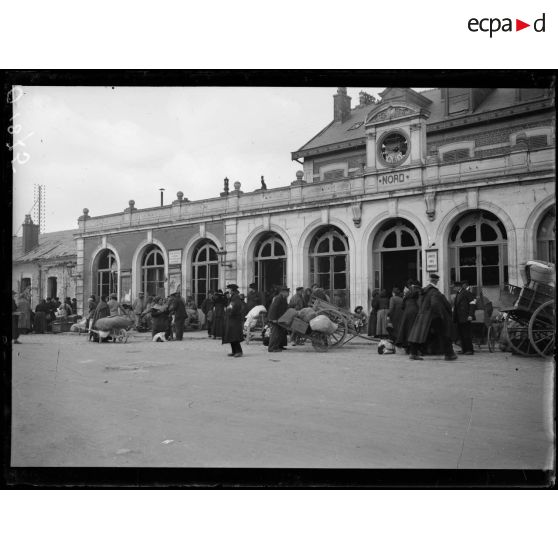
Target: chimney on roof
[365, 99]
[341, 105]
[30, 234]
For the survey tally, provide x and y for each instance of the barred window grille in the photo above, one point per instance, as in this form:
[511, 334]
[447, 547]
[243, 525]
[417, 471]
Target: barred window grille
[538, 141]
[456, 155]
[333, 174]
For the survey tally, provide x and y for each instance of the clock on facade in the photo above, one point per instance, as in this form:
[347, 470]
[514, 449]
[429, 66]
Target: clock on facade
[393, 148]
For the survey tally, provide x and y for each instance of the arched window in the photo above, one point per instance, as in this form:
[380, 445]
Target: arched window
[478, 249]
[205, 270]
[153, 272]
[107, 273]
[546, 237]
[329, 264]
[396, 254]
[270, 262]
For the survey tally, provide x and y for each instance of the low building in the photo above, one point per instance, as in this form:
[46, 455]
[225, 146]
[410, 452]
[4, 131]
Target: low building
[456, 181]
[44, 265]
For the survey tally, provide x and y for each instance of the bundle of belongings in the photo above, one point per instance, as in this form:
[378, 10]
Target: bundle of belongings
[80, 327]
[114, 322]
[386, 347]
[298, 321]
[252, 317]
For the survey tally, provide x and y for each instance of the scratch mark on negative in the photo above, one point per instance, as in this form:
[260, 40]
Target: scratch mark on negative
[57, 359]
[466, 433]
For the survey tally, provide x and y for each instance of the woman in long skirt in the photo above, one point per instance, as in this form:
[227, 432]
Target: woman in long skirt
[219, 303]
[374, 305]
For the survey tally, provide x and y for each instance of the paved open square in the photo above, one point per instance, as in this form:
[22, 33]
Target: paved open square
[185, 404]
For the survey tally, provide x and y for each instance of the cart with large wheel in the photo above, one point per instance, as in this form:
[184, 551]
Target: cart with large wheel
[321, 342]
[348, 326]
[529, 325]
[113, 328]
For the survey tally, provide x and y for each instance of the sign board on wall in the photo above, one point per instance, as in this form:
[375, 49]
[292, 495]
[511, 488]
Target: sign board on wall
[431, 260]
[175, 257]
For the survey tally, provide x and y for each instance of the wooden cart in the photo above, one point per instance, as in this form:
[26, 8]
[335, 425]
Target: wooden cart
[529, 324]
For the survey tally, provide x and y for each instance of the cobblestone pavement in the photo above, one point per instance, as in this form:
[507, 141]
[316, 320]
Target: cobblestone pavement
[185, 404]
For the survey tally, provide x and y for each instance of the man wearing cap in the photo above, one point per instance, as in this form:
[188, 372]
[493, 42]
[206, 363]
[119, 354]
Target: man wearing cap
[254, 297]
[138, 307]
[297, 300]
[434, 313]
[233, 322]
[279, 305]
[463, 315]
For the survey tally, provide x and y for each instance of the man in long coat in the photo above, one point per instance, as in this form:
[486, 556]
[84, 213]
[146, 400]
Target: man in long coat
[138, 307]
[279, 305]
[233, 333]
[178, 310]
[15, 321]
[463, 315]
[434, 314]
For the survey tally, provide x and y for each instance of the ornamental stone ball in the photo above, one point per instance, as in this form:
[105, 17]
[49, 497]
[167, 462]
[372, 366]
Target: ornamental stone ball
[179, 195]
[131, 203]
[237, 185]
[85, 211]
[299, 175]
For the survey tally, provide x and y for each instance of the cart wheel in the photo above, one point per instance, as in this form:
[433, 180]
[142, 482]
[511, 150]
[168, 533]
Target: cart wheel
[518, 335]
[339, 334]
[492, 337]
[541, 329]
[320, 342]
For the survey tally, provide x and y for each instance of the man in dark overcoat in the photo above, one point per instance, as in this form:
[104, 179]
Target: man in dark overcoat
[463, 315]
[233, 333]
[434, 315]
[178, 310]
[279, 305]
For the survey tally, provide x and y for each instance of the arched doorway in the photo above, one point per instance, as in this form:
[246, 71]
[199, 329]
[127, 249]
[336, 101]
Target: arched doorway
[396, 254]
[546, 237]
[205, 270]
[153, 271]
[106, 273]
[270, 262]
[329, 264]
[478, 252]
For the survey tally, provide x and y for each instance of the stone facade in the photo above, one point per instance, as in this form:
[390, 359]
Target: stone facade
[490, 166]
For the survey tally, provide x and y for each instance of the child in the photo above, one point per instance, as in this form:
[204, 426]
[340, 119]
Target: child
[360, 319]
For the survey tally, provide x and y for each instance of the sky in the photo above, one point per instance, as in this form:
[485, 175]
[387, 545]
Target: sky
[99, 147]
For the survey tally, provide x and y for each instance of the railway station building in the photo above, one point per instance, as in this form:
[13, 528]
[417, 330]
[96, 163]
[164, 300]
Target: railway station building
[455, 181]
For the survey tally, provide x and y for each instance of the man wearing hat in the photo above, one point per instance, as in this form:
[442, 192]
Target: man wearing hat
[233, 322]
[138, 307]
[463, 315]
[279, 305]
[434, 314]
[254, 297]
[177, 310]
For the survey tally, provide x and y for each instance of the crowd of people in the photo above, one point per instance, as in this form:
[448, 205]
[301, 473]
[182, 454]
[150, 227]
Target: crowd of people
[418, 320]
[26, 320]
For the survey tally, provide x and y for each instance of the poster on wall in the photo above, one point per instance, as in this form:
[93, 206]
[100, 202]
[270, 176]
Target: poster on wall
[126, 290]
[174, 282]
[431, 260]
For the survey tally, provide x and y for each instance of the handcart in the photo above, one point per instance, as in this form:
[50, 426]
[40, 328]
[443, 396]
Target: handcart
[348, 327]
[114, 327]
[529, 325]
[321, 342]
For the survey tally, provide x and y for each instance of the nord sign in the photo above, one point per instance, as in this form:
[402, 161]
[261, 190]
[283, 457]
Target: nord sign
[398, 178]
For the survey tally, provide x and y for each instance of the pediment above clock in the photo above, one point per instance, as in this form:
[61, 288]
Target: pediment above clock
[393, 111]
